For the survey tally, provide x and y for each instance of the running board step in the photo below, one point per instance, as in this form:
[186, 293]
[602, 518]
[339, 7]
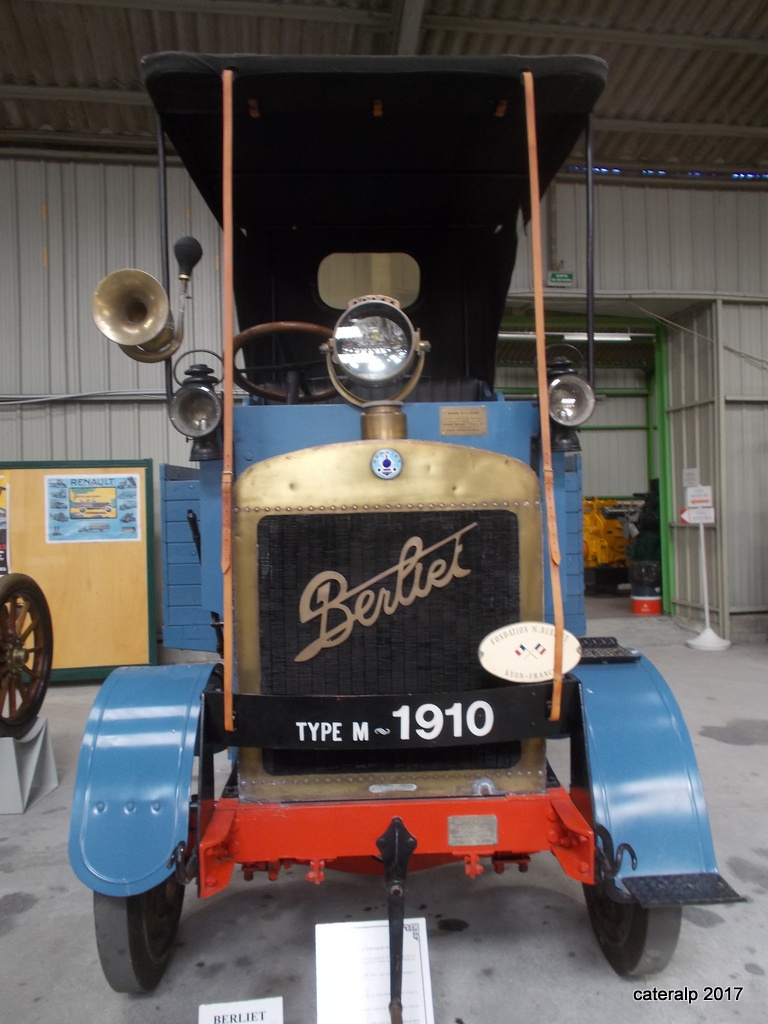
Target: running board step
[673, 890]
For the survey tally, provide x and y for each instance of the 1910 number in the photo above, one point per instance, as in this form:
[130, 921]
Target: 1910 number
[430, 719]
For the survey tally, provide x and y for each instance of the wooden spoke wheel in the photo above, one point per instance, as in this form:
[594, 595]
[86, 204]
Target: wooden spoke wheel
[135, 935]
[634, 940]
[26, 653]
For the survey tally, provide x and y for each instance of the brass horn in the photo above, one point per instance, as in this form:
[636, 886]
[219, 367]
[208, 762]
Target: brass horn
[131, 308]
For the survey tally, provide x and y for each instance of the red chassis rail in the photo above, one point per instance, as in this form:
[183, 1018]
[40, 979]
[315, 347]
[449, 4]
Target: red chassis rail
[268, 836]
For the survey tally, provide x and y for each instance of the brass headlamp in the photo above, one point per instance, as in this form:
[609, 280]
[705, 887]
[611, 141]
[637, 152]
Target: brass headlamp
[374, 345]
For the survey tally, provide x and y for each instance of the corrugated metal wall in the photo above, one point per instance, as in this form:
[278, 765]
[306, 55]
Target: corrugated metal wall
[63, 226]
[658, 241]
[693, 413]
[743, 331]
[692, 245]
[614, 442]
[718, 414]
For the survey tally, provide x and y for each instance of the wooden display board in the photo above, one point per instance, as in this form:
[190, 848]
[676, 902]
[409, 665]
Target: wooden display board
[84, 532]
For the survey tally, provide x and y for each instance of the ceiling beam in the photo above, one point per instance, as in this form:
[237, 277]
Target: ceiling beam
[87, 148]
[407, 17]
[721, 131]
[65, 94]
[126, 97]
[588, 34]
[239, 8]
[53, 142]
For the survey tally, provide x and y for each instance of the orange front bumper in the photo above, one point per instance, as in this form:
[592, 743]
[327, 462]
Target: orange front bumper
[267, 836]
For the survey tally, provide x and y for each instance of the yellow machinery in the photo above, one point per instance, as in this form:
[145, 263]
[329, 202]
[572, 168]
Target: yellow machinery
[607, 531]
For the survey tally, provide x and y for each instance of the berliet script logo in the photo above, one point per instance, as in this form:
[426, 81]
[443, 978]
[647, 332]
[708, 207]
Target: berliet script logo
[327, 596]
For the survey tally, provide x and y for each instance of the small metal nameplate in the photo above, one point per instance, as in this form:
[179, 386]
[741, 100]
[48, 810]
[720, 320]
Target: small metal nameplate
[463, 421]
[473, 830]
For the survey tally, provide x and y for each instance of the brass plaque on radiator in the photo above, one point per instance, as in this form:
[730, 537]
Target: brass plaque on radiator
[473, 830]
[463, 421]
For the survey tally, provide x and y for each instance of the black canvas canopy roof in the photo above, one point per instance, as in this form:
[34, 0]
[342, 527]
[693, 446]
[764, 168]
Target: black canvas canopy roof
[424, 155]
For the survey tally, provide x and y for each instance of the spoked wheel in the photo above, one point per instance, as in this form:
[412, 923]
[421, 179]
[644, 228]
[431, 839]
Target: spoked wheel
[26, 653]
[135, 934]
[634, 940]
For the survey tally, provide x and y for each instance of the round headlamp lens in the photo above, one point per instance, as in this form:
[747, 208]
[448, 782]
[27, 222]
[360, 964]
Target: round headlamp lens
[195, 410]
[571, 400]
[374, 342]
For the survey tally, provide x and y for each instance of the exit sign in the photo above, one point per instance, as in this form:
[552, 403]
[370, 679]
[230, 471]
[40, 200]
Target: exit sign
[560, 279]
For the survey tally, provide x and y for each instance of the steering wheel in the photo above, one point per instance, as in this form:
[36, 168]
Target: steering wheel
[292, 392]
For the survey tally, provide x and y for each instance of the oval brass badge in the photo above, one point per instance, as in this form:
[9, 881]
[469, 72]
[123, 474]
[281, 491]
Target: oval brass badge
[524, 652]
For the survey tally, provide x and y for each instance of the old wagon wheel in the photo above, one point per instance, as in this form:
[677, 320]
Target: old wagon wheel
[26, 653]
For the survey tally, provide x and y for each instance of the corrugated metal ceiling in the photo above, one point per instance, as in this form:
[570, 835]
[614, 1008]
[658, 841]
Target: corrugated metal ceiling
[686, 91]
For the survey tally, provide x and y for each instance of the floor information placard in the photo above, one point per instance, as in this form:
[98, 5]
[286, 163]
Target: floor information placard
[352, 961]
[249, 1011]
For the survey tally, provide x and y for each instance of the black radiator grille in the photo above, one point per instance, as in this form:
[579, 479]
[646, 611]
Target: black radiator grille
[428, 645]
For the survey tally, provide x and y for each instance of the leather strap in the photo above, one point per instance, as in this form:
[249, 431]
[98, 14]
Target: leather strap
[541, 369]
[227, 474]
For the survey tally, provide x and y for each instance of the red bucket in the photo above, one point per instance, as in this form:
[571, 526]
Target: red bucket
[646, 605]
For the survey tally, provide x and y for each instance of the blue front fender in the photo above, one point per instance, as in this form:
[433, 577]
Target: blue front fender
[132, 791]
[639, 769]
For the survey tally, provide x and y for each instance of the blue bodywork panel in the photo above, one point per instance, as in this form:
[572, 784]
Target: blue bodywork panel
[262, 432]
[186, 621]
[132, 792]
[644, 780]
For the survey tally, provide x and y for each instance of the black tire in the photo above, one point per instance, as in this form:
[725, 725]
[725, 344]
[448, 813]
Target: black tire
[26, 653]
[135, 935]
[634, 940]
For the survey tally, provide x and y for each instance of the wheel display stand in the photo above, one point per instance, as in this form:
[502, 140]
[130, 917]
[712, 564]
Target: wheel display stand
[27, 769]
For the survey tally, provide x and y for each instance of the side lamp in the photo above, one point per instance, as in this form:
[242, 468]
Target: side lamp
[571, 403]
[196, 411]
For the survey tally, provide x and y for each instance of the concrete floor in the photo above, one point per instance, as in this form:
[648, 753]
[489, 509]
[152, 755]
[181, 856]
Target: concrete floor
[508, 948]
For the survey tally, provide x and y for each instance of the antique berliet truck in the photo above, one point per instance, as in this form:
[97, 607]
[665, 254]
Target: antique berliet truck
[385, 553]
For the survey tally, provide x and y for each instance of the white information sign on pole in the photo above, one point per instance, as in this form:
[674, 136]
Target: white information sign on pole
[691, 476]
[352, 963]
[697, 515]
[250, 1011]
[698, 496]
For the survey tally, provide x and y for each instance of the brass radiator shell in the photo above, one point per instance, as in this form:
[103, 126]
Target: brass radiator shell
[338, 479]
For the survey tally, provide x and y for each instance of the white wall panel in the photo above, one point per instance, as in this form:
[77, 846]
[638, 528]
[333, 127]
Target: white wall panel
[718, 416]
[614, 441]
[63, 227]
[656, 241]
[744, 331]
[614, 462]
[746, 480]
[744, 336]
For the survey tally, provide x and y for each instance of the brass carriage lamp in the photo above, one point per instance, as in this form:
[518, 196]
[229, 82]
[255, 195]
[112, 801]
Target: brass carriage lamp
[571, 403]
[196, 411]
